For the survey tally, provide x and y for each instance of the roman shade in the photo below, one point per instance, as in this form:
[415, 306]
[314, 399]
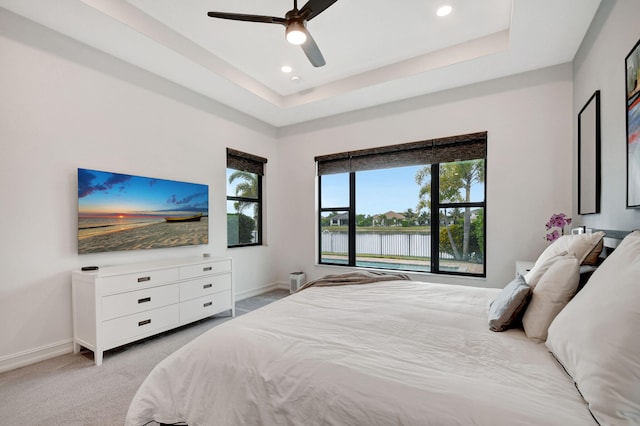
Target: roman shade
[238, 160]
[443, 150]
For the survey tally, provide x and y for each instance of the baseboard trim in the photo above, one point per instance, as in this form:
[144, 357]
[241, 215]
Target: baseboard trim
[31, 356]
[261, 290]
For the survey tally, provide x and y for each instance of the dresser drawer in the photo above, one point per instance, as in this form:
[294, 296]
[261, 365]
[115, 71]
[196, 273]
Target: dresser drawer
[204, 286]
[213, 267]
[126, 329]
[203, 307]
[119, 305]
[128, 282]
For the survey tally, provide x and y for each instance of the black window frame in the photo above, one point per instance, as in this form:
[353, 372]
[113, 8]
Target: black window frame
[456, 148]
[242, 161]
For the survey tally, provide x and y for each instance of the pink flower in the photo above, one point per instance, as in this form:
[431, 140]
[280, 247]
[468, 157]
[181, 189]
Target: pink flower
[552, 236]
[555, 226]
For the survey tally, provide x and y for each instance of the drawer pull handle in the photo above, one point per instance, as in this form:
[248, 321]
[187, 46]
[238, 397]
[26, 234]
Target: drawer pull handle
[144, 279]
[207, 304]
[145, 300]
[207, 286]
[207, 268]
[145, 322]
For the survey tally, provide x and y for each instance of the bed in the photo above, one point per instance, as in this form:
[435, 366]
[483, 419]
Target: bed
[400, 352]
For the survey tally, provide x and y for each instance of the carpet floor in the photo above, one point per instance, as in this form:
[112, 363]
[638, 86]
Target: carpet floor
[70, 390]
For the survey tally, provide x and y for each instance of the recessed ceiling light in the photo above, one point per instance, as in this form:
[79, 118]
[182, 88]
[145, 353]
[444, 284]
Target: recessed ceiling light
[444, 10]
[295, 78]
[286, 68]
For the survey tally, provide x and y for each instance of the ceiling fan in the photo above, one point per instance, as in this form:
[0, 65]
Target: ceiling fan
[295, 22]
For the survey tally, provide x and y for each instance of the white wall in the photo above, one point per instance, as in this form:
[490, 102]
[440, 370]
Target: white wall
[600, 65]
[66, 106]
[528, 120]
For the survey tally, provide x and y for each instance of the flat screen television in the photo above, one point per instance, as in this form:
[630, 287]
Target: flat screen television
[126, 212]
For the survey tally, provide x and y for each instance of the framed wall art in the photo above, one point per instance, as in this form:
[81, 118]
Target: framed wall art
[632, 66]
[589, 156]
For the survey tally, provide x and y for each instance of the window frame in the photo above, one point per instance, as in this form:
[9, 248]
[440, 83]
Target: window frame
[436, 204]
[251, 164]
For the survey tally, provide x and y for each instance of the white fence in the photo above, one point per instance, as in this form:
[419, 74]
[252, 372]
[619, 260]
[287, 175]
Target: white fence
[381, 244]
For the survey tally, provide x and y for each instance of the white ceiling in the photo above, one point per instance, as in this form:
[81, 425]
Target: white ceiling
[375, 53]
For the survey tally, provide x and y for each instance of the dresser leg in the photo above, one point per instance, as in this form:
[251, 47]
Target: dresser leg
[97, 356]
[76, 348]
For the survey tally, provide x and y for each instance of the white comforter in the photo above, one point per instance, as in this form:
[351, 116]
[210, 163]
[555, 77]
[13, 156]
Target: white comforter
[389, 353]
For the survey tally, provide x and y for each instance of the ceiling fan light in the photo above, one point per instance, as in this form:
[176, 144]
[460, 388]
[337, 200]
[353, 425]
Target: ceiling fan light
[296, 33]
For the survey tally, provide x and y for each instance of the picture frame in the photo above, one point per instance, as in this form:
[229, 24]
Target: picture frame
[632, 108]
[589, 156]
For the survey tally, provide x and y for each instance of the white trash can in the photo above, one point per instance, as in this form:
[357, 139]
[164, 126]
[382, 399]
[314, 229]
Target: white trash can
[297, 281]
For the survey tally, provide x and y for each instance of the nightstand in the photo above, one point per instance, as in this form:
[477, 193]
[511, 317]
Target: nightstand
[523, 266]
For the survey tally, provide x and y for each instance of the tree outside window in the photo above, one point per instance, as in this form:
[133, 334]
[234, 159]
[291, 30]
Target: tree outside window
[244, 199]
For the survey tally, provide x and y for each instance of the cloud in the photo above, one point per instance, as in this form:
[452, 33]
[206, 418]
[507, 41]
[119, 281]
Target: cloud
[173, 199]
[87, 187]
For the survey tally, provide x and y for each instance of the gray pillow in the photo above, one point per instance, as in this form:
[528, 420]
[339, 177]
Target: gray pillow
[509, 303]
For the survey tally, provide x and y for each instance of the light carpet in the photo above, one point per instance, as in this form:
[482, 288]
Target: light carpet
[70, 390]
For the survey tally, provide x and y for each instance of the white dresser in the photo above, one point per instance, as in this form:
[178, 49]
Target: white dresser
[120, 304]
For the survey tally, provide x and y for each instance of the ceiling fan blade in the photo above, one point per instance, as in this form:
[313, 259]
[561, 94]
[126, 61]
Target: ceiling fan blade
[312, 51]
[248, 18]
[315, 7]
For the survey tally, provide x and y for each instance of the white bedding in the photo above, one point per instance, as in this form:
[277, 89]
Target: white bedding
[388, 353]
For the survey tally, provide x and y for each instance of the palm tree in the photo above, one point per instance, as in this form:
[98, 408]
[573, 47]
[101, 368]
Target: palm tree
[456, 181]
[411, 217]
[247, 188]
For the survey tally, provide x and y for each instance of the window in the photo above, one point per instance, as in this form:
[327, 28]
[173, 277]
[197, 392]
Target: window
[412, 207]
[244, 198]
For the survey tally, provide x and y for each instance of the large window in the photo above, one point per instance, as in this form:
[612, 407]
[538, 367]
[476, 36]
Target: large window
[412, 207]
[244, 198]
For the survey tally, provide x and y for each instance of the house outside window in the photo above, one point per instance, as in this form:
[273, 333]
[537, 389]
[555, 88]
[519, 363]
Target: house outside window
[414, 207]
[244, 198]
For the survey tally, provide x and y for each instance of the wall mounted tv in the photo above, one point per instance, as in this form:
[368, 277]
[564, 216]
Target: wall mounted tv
[125, 212]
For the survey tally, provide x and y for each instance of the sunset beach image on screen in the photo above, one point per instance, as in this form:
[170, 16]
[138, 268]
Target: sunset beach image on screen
[126, 212]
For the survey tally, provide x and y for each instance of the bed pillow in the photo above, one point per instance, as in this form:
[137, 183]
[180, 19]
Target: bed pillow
[552, 293]
[580, 245]
[540, 267]
[595, 337]
[508, 305]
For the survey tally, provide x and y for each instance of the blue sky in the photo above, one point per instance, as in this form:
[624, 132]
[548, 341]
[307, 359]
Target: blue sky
[109, 194]
[379, 191]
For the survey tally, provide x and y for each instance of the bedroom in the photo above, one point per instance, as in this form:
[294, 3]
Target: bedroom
[62, 98]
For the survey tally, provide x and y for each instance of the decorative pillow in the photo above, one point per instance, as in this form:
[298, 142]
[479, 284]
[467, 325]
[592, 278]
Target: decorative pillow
[593, 258]
[580, 245]
[540, 267]
[554, 290]
[509, 303]
[595, 337]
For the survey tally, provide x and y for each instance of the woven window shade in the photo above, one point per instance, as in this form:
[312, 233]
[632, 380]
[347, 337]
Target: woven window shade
[238, 160]
[444, 150]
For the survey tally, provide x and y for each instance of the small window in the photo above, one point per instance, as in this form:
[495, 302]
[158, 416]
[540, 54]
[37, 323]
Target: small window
[244, 198]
